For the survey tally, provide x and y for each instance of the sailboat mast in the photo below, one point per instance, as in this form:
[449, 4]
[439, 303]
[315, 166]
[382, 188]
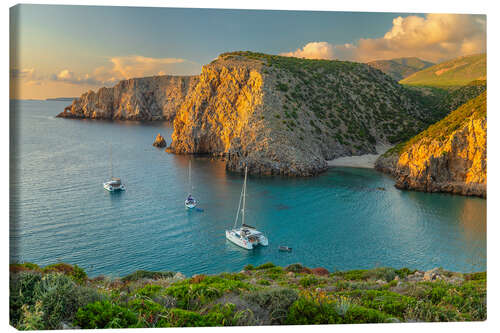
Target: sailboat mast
[244, 197]
[189, 178]
[110, 162]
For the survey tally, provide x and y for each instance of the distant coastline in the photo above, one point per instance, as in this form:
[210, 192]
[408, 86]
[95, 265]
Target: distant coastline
[62, 99]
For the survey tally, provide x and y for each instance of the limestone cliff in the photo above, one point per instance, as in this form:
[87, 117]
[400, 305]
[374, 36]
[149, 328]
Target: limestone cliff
[450, 156]
[281, 115]
[149, 98]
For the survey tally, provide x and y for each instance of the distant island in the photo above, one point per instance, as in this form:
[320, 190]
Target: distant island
[62, 99]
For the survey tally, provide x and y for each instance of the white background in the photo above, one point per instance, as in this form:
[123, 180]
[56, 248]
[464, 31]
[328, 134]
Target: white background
[490, 8]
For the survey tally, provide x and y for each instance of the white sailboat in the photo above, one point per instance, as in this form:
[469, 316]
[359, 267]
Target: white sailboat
[190, 201]
[115, 184]
[245, 236]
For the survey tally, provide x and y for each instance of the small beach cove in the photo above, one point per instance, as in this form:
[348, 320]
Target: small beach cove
[362, 161]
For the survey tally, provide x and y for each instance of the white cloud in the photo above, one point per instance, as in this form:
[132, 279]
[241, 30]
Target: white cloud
[313, 50]
[434, 37]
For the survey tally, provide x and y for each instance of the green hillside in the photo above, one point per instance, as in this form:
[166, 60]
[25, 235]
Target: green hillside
[400, 68]
[473, 109]
[452, 73]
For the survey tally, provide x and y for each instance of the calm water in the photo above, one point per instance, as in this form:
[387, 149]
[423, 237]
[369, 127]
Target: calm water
[339, 220]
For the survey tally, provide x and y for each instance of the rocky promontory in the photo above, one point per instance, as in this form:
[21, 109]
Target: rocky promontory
[450, 156]
[148, 98]
[288, 116]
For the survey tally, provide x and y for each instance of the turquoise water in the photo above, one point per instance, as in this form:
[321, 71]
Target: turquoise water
[339, 220]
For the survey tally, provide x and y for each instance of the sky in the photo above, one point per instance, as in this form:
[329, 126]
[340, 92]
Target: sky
[64, 51]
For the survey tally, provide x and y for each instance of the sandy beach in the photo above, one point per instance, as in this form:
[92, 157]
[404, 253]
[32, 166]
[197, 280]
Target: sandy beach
[363, 161]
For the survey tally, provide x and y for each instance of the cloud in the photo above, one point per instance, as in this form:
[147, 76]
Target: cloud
[313, 50]
[435, 37]
[126, 67]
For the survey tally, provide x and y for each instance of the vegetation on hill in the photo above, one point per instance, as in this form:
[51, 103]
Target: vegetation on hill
[400, 68]
[452, 73]
[473, 109]
[349, 102]
[54, 298]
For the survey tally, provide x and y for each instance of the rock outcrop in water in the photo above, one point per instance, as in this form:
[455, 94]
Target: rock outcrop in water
[281, 115]
[160, 141]
[149, 98]
[450, 156]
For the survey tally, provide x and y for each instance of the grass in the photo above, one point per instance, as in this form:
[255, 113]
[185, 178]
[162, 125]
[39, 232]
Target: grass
[452, 73]
[42, 298]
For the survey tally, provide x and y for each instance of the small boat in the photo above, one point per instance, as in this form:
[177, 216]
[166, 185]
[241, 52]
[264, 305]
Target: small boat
[190, 201]
[246, 236]
[284, 249]
[115, 184]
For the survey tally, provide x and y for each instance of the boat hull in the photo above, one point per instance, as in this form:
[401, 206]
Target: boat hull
[190, 205]
[231, 236]
[110, 188]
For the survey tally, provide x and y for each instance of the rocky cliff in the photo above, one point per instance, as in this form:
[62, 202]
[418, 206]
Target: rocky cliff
[450, 156]
[281, 115]
[149, 98]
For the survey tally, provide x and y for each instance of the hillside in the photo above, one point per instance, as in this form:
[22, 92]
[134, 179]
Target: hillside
[61, 296]
[449, 156]
[400, 68]
[284, 115]
[452, 73]
[149, 98]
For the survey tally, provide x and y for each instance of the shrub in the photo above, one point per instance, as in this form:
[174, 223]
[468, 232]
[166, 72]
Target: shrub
[32, 319]
[192, 296]
[105, 315]
[57, 295]
[264, 282]
[319, 309]
[22, 287]
[276, 301]
[149, 290]
[249, 267]
[148, 311]
[266, 265]
[61, 297]
[308, 281]
[296, 268]
[75, 272]
[26, 266]
[141, 274]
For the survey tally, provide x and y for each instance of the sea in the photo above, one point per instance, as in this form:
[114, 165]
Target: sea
[345, 218]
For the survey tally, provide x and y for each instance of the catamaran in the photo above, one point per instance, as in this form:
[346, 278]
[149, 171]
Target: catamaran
[115, 184]
[245, 236]
[190, 201]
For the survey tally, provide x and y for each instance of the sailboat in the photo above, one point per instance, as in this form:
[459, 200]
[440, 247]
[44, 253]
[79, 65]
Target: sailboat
[245, 236]
[115, 184]
[190, 201]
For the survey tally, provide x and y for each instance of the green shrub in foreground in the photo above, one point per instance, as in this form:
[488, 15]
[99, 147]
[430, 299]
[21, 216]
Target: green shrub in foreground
[105, 315]
[55, 297]
[314, 310]
[191, 296]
